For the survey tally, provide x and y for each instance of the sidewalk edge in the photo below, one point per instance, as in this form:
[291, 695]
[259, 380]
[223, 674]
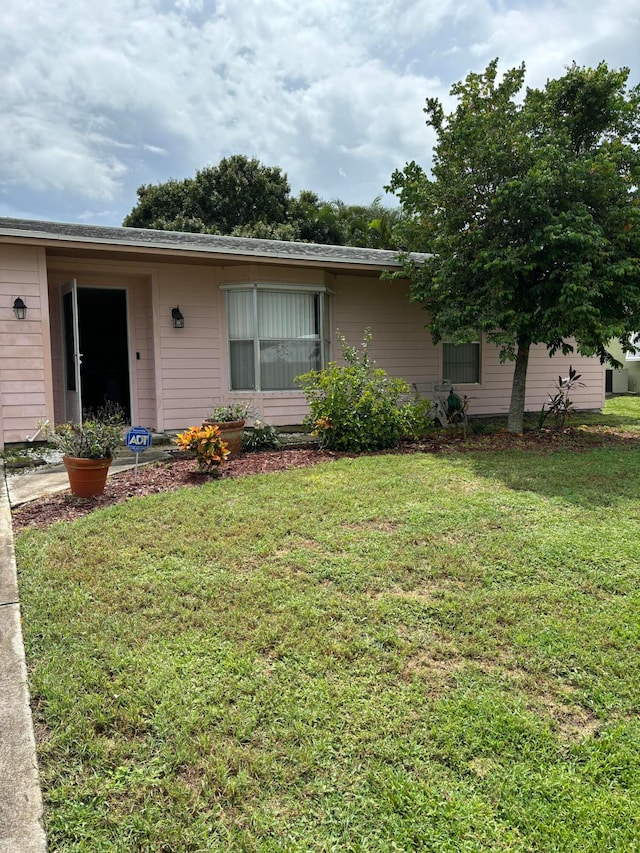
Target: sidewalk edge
[21, 808]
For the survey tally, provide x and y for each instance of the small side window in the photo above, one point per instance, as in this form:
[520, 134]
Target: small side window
[461, 363]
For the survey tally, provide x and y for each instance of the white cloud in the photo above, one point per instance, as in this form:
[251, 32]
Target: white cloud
[98, 98]
[154, 149]
[190, 6]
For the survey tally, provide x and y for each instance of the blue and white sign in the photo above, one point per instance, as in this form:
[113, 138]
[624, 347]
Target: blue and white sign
[138, 439]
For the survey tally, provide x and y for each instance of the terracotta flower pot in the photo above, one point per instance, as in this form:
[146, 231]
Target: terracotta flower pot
[87, 477]
[231, 433]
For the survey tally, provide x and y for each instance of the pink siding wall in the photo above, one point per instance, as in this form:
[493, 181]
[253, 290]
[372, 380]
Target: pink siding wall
[194, 364]
[141, 342]
[56, 354]
[189, 368]
[25, 355]
[493, 393]
[403, 347]
[193, 370]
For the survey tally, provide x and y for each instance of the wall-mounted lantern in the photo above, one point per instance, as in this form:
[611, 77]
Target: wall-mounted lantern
[19, 308]
[177, 317]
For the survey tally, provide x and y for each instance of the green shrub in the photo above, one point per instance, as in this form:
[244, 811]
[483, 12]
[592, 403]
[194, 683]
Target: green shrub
[261, 437]
[357, 407]
[419, 417]
[479, 427]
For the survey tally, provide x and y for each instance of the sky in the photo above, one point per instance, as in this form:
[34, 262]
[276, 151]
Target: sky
[97, 98]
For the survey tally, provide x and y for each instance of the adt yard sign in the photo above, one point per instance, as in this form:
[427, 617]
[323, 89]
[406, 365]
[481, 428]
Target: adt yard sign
[138, 439]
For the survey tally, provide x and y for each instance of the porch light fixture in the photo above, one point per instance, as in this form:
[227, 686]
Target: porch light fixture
[177, 317]
[19, 308]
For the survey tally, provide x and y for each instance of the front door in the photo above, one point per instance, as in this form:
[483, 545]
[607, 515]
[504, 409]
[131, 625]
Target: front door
[72, 354]
[96, 348]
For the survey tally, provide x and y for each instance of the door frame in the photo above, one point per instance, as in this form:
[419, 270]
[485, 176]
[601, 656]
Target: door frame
[73, 286]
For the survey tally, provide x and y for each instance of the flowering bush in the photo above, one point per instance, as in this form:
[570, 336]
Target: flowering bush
[207, 444]
[357, 407]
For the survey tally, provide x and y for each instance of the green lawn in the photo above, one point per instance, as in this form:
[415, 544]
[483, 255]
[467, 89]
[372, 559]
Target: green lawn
[391, 653]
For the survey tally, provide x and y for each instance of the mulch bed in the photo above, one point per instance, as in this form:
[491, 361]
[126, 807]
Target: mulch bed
[158, 477]
[176, 473]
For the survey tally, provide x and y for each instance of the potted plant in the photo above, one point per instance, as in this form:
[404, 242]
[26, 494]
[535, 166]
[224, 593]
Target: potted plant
[206, 442]
[230, 419]
[87, 450]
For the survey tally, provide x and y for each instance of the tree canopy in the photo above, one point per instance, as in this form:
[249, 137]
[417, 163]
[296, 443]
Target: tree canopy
[237, 192]
[532, 216]
[244, 198]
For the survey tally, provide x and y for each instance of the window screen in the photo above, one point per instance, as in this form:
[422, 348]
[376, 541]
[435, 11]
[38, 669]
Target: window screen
[461, 363]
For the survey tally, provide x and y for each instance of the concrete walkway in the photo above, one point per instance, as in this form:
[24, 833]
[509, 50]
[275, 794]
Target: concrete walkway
[35, 483]
[21, 828]
[21, 825]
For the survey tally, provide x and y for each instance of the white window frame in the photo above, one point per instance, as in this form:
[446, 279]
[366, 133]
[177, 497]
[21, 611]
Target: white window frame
[629, 356]
[255, 287]
[446, 378]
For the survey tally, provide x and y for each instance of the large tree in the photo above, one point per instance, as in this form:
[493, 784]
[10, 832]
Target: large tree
[244, 198]
[532, 216]
[238, 192]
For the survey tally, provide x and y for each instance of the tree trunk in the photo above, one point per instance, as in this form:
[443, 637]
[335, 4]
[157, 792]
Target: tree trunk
[515, 421]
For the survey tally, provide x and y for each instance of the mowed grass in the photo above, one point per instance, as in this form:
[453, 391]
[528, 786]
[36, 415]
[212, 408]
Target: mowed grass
[391, 653]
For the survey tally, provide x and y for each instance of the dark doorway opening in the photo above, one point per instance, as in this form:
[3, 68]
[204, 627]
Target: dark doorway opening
[102, 321]
[608, 382]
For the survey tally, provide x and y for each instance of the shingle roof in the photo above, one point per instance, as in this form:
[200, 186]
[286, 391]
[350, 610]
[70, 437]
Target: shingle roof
[207, 243]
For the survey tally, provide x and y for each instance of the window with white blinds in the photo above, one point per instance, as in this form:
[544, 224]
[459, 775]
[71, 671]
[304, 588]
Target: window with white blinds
[461, 363]
[274, 336]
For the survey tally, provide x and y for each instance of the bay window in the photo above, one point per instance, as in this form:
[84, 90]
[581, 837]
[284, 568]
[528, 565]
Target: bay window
[275, 334]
